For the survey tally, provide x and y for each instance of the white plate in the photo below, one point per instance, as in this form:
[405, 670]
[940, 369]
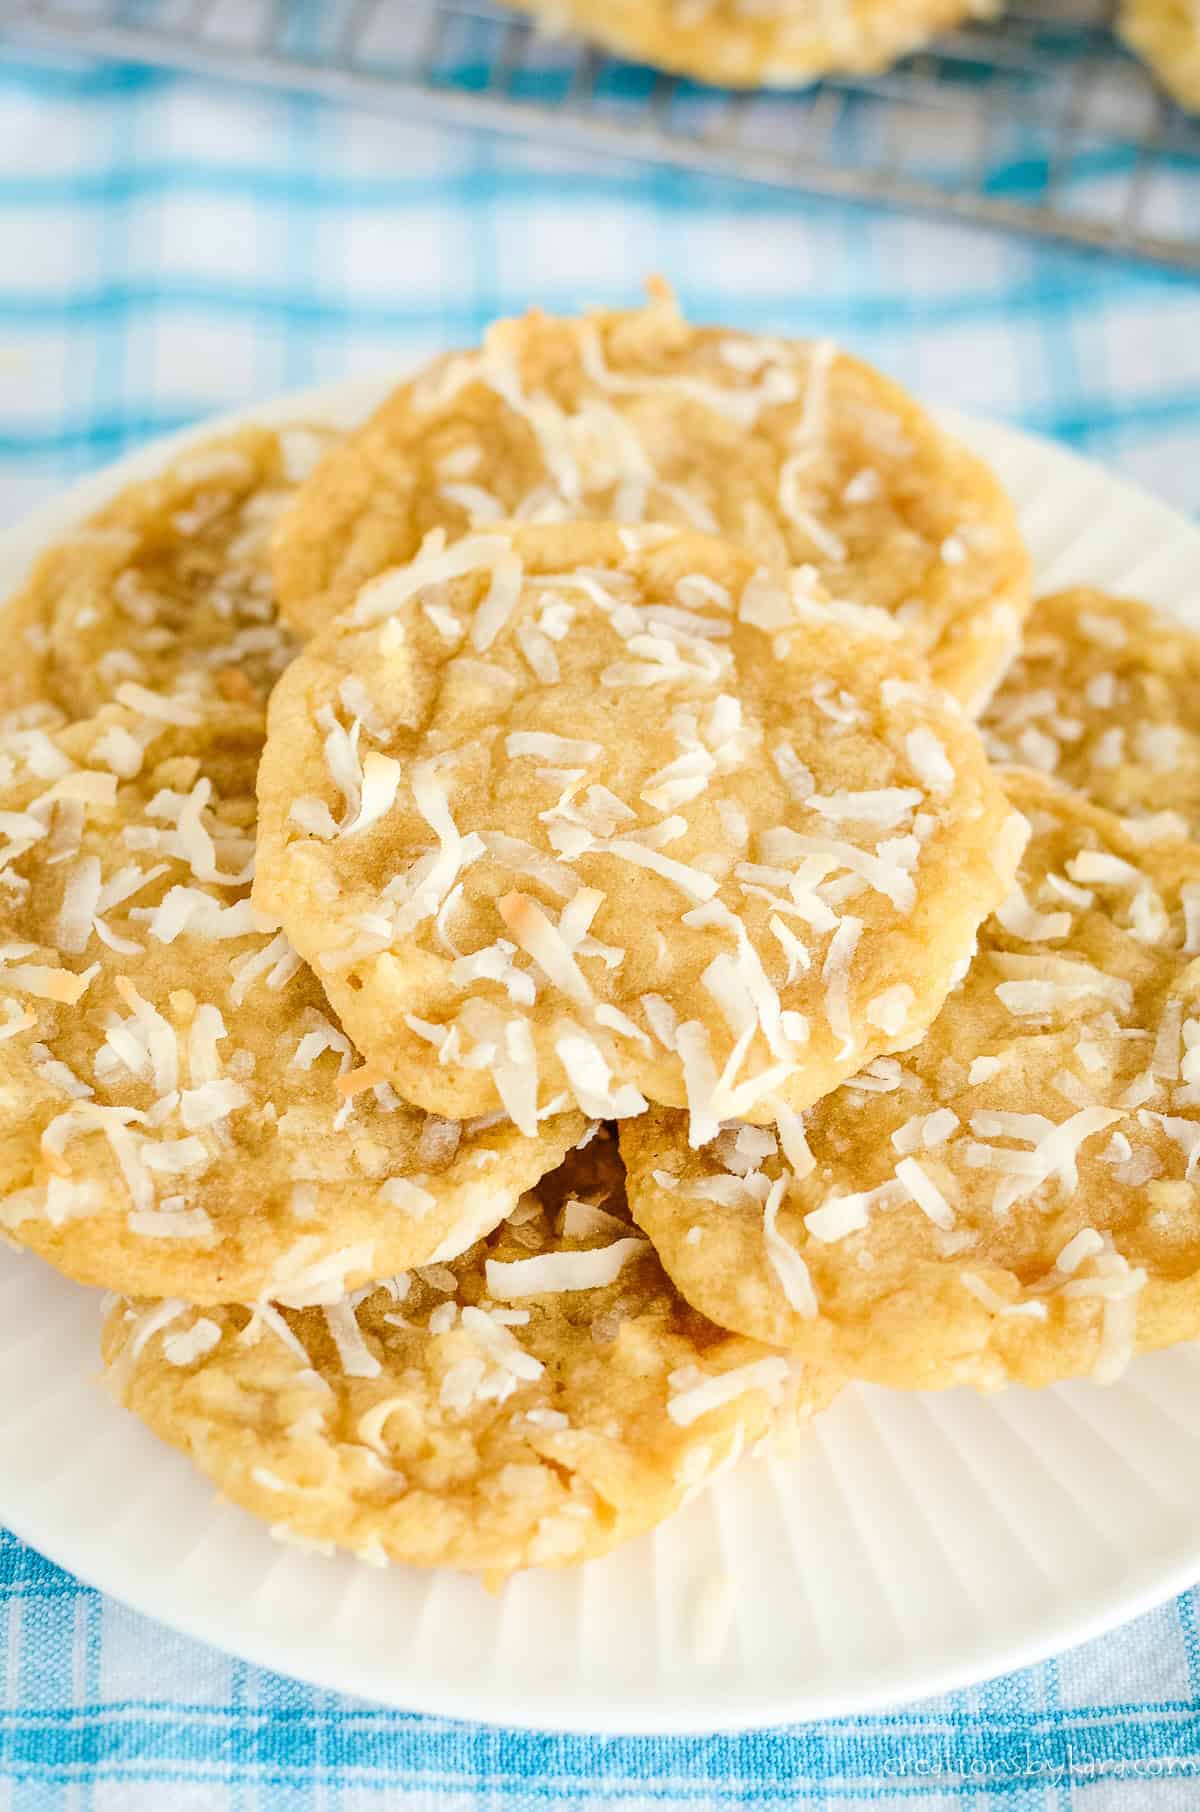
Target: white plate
[911, 1544]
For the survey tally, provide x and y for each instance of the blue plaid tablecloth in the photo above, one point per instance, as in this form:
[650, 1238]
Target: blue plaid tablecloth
[168, 249]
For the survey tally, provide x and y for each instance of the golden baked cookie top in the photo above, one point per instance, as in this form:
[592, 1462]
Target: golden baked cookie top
[600, 814]
[541, 1399]
[1015, 1197]
[182, 1113]
[167, 587]
[1105, 695]
[799, 452]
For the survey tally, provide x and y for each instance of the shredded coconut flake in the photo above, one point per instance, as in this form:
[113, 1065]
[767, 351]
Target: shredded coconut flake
[522, 858]
[590, 1077]
[925, 1193]
[380, 780]
[692, 881]
[543, 941]
[402, 1193]
[699, 1081]
[80, 903]
[1189, 896]
[787, 1264]
[885, 806]
[841, 1215]
[992, 1300]
[835, 973]
[551, 1273]
[890, 1010]
[185, 1348]
[1087, 1243]
[1020, 919]
[687, 1404]
[356, 1358]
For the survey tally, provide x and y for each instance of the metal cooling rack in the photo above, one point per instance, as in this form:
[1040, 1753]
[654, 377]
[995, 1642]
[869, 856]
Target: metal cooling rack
[1039, 121]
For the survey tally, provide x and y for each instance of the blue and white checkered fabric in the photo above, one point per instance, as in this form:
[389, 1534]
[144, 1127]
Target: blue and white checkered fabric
[169, 249]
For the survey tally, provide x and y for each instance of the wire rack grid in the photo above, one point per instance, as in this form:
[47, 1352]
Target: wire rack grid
[1037, 121]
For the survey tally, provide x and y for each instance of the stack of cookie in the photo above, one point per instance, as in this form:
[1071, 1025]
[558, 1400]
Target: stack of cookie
[523, 973]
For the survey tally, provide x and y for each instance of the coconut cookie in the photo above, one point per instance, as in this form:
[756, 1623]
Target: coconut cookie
[542, 1399]
[1106, 695]
[1015, 1198]
[181, 1114]
[167, 587]
[580, 812]
[758, 43]
[791, 448]
[1166, 35]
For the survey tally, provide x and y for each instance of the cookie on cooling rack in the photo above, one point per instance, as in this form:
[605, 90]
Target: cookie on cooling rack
[1166, 35]
[598, 814]
[182, 1115]
[166, 588]
[543, 1398]
[796, 450]
[1105, 695]
[758, 43]
[1014, 1198]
